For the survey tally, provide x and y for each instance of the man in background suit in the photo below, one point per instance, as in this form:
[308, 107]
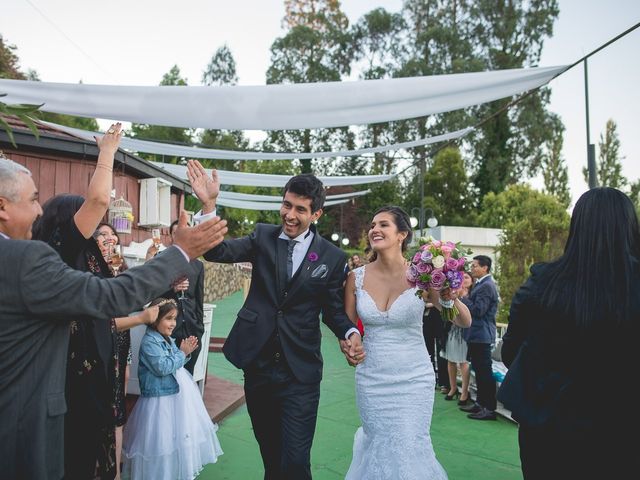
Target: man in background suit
[276, 338]
[39, 296]
[483, 305]
[189, 296]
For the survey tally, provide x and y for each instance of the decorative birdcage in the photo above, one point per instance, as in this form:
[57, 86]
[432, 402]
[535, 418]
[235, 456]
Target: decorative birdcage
[121, 215]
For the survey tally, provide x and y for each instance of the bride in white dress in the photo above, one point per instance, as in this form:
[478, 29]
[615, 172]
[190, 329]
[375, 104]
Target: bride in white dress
[395, 384]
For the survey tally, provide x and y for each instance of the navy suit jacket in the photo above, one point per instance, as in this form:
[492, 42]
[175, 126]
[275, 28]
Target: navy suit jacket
[483, 306]
[293, 306]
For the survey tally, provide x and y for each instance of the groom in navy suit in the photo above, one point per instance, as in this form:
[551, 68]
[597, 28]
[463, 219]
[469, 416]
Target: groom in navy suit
[276, 338]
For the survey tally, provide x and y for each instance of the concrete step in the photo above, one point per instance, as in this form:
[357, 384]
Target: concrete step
[216, 344]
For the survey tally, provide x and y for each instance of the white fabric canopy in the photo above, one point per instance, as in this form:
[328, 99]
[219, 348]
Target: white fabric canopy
[252, 197]
[136, 145]
[277, 107]
[263, 205]
[269, 180]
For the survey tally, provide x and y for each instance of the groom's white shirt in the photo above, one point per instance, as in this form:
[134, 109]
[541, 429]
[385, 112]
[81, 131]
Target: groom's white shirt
[303, 241]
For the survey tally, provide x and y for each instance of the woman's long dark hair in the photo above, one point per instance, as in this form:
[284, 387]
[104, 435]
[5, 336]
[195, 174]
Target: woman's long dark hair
[593, 281]
[56, 211]
[402, 222]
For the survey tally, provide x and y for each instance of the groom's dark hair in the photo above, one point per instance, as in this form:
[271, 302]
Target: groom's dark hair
[309, 186]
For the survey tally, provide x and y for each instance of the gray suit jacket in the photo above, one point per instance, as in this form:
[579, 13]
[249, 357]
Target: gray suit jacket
[39, 296]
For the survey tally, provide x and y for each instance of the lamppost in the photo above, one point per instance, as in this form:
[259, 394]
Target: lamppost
[432, 221]
[339, 239]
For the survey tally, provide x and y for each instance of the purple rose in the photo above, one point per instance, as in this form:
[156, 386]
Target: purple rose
[312, 257]
[422, 286]
[461, 262]
[437, 279]
[412, 274]
[426, 256]
[424, 267]
[451, 264]
[416, 257]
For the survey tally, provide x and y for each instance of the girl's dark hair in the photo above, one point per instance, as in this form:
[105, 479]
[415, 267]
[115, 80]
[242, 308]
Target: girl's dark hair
[402, 222]
[57, 211]
[165, 305]
[309, 186]
[592, 282]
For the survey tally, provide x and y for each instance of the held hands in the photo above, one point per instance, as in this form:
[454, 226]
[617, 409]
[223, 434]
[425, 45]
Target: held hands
[188, 345]
[353, 349]
[198, 240]
[205, 187]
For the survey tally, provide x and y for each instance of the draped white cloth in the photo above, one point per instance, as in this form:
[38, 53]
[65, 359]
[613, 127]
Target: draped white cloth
[158, 148]
[269, 180]
[252, 197]
[247, 205]
[277, 107]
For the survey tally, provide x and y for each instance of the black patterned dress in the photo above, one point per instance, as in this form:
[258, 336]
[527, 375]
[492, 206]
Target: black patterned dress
[91, 372]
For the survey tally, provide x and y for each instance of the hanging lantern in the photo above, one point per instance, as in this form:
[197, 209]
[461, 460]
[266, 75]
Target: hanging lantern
[121, 215]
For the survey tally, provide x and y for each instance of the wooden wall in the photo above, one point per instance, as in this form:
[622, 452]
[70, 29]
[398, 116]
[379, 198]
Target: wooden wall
[54, 175]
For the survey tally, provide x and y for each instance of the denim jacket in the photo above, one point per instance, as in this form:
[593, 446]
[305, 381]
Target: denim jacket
[159, 361]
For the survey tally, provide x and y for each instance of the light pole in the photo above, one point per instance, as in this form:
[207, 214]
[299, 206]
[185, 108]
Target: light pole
[417, 220]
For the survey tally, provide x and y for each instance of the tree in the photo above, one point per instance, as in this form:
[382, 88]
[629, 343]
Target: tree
[446, 189]
[9, 62]
[161, 133]
[221, 69]
[554, 168]
[510, 34]
[609, 160]
[534, 229]
[317, 48]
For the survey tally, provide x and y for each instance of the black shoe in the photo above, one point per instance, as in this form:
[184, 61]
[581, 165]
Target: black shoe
[465, 402]
[451, 396]
[483, 414]
[473, 408]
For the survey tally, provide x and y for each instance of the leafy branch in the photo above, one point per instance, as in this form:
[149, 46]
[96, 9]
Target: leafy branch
[22, 111]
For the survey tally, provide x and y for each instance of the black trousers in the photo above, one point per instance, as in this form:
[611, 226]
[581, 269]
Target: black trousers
[480, 356]
[432, 330]
[283, 414]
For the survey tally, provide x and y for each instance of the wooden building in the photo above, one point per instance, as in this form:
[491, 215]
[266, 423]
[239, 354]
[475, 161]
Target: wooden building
[63, 163]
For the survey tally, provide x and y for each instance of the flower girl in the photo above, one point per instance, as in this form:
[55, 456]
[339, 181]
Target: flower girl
[169, 434]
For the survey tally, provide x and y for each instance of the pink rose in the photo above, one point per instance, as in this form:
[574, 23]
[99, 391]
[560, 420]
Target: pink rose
[436, 243]
[416, 257]
[451, 264]
[446, 251]
[461, 262]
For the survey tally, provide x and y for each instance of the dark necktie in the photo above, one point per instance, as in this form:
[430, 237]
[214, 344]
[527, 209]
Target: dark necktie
[292, 244]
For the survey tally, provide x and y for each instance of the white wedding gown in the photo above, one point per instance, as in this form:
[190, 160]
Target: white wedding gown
[395, 387]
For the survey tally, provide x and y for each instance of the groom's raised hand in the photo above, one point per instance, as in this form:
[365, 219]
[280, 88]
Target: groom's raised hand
[204, 186]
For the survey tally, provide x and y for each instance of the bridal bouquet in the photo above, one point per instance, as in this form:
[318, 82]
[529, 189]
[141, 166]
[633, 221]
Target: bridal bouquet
[438, 265]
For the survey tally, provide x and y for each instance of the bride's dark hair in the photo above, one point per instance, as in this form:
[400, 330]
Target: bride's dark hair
[401, 221]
